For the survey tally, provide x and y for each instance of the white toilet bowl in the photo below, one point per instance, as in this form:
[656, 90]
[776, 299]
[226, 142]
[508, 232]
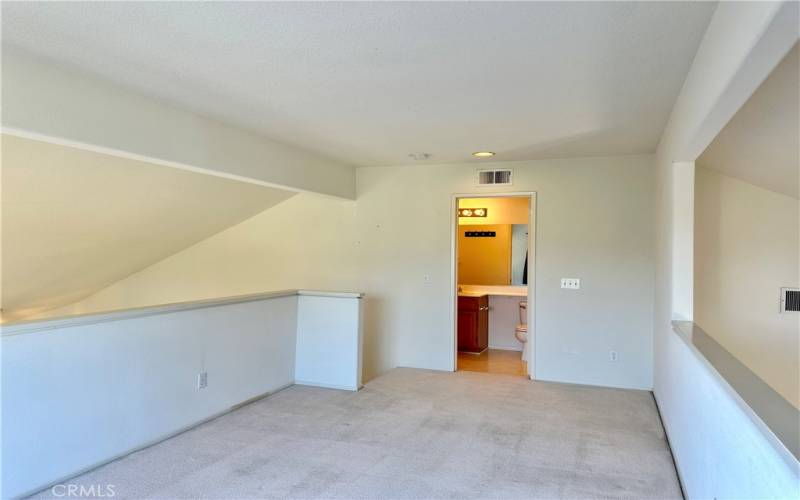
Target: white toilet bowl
[521, 331]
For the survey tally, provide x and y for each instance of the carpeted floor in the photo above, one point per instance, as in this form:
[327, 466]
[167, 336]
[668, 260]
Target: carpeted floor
[413, 434]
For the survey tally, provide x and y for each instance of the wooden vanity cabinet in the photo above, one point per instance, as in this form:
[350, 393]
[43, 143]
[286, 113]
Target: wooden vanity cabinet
[473, 323]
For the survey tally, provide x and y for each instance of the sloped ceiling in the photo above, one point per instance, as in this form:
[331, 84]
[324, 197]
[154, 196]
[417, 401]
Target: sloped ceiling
[370, 82]
[74, 221]
[761, 143]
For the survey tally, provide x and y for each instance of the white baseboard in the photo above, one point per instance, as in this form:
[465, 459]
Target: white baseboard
[506, 348]
[327, 386]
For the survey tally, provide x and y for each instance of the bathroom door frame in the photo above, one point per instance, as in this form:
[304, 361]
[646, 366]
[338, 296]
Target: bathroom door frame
[531, 311]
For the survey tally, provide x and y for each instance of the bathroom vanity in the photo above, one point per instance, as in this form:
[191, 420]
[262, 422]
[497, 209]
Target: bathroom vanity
[473, 322]
[488, 314]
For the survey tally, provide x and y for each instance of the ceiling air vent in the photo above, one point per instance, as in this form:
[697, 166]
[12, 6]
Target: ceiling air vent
[494, 177]
[790, 299]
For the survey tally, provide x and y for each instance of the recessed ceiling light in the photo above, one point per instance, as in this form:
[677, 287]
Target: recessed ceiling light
[483, 154]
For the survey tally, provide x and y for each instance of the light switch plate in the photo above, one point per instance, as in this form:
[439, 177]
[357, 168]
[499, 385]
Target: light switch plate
[571, 283]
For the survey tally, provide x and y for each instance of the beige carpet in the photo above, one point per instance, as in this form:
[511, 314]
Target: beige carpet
[413, 434]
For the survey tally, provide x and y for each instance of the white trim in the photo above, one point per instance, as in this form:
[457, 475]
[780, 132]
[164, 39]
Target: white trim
[328, 386]
[34, 325]
[531, 273]
[498, 348]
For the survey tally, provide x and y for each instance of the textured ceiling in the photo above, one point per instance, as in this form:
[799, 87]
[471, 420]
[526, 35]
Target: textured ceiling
[74, 222]
[761, 143]
[369, 83]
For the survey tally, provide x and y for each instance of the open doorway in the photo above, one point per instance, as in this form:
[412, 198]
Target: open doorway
[492, 264]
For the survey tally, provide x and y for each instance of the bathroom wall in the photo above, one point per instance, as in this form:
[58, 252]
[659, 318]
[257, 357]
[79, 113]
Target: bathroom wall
[507, 210]
[484, 260]
[503, 319]
[507, 213]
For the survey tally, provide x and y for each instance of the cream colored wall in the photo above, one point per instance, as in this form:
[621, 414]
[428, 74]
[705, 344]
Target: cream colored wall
[76, 221]
[303, 242]
[594, 222]
[747, 246]
[509, 210]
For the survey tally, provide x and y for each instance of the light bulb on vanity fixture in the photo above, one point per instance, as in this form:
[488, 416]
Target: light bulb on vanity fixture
[483, 154]
[472, 212]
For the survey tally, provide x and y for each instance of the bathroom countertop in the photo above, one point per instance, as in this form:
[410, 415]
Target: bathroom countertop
[481, 290]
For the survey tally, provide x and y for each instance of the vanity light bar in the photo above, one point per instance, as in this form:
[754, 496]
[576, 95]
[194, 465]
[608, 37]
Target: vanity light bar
[473, 212]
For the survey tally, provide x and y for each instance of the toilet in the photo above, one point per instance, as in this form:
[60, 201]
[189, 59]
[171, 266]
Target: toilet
[521, 331]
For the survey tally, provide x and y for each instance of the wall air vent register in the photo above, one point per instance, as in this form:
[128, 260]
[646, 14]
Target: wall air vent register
[499, 177]
[790, 300]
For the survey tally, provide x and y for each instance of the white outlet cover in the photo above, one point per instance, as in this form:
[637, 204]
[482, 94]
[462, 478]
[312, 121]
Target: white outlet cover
[571, 283]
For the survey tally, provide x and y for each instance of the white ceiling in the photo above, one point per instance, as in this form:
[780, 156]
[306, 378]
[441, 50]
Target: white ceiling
[74, 221]
[369, 83]
[761, 143]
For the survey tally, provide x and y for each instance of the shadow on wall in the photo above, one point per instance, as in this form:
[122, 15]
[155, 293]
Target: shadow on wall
[377, 349]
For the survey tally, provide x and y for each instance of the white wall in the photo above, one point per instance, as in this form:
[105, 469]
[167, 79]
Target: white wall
[44, 101]
[682, 238]
[593, 222]
[329, 340]
[743, 43]
[747, 246]
[81, 391]
[719, 451]
[95, 391]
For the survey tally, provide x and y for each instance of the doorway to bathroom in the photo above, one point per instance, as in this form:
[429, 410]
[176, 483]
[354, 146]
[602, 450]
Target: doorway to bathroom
[493, 272]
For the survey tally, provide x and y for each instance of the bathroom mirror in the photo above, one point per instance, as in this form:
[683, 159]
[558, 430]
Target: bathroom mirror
[519, 254]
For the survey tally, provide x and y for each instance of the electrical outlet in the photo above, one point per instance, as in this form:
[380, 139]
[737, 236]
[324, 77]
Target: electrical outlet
[426, 278]
[613, 356]
[571, 283]
[202, 380]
